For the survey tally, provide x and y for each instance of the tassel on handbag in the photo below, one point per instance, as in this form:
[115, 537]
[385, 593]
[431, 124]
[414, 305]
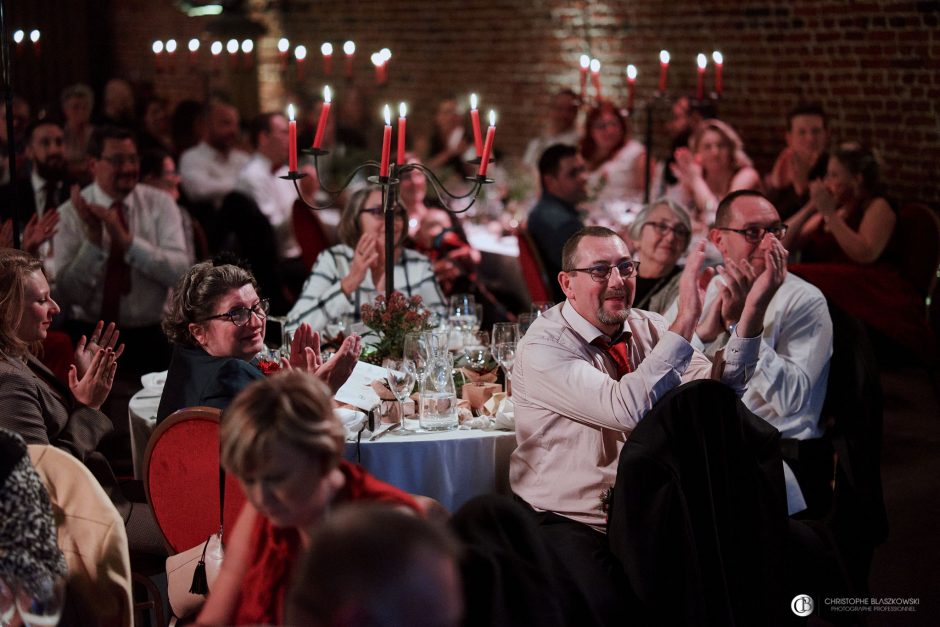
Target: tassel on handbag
[200, 585]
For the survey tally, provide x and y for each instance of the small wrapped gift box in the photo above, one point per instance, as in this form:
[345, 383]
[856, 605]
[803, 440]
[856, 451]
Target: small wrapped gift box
[477, 393]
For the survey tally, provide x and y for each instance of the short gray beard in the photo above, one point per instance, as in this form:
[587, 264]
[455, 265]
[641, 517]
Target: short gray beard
[618, 317]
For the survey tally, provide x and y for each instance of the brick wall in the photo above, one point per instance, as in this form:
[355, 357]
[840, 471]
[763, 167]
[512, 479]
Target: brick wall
[875, 66]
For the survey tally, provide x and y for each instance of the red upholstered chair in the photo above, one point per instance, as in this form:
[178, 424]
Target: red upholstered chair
[310, 233]
[533, 270]
[916, 243]
[181, 478]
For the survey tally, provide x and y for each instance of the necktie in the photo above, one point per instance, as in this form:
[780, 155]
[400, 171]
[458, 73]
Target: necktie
[618, 352]
[117, 277]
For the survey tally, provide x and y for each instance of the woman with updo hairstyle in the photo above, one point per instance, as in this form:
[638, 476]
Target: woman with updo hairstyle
[351, 273]
[843, 236]
[216, 324]
[283, 442]
[660, 234]
[615, 161]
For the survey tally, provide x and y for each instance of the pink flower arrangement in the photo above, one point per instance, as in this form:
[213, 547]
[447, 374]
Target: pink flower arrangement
[391, 320]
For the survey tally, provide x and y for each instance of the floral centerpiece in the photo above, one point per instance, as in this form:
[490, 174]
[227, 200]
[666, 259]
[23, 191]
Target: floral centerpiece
[390, 320]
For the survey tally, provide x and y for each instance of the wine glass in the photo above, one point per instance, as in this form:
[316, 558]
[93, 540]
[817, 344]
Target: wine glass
[401, 381]
[335, 326]
[41, 606]
[540, 306]
[462, 313]
[476, 351]
[525, 321]
[505, 338]
[416, 351]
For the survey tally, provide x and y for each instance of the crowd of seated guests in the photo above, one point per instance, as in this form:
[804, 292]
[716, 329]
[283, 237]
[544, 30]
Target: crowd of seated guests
[106, 232]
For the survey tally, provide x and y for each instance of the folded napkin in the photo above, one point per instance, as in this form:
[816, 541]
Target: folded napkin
[353, 419]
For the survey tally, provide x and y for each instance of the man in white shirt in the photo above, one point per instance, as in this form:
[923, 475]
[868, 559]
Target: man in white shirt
[561, 127]
[210, 169]
[120, 247]
[789, 385]
[577, 397]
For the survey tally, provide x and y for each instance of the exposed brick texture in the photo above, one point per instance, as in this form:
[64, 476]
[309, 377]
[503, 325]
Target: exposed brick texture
[875, 66]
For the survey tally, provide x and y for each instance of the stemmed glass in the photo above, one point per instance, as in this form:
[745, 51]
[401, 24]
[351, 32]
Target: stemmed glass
[505, 337]
[416, 352]
[401, 377]
[475, 349]
[540, 306]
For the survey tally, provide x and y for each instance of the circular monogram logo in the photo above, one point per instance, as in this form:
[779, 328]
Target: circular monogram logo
[802, 605]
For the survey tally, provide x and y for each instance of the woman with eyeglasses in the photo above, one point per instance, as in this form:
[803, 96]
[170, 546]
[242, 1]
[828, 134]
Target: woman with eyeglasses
[349, 274]
[661, 235]
[615, 160]
[216, 324]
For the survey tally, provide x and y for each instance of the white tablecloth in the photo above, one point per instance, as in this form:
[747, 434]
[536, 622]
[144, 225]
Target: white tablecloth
[452, 466]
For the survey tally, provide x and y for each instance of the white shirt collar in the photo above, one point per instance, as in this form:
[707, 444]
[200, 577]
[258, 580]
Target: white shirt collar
[584, 328]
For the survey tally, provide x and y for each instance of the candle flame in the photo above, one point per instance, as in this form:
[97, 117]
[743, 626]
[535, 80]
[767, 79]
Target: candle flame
[157, 47]
[290, 112]
[595, 66]
[216, 48]
[283, 44]
[388, 115]
[327, 94]
[327, 49]
[34, 35]
[701, 60]
[171, 46]
[232, 46]
[664, 57]
[385, 53]
[631, 72]
[402, 110]
[492, 118]
[376, 59]
[18, 36]
[349, 48]
[473, 101]
[247, 46]
[717, 58]
[585, 61]
[300, 52]
[193, 45]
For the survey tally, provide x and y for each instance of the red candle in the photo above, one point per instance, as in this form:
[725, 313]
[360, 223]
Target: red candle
[701, 61]
[349, 48]
[170, 48]
[158, 56]
[300, 53]
[475, 123]
[596, 77]
[193, 51]
[386, 143]
[402, 111]
[585, 64]
[663, 69]
[487, 145]
[283, 47]
[631, 86]
[386, 56]
[34, 37]
[291, 140]
[377, 62]
[719, 64]
[324, 116]
[248, 47]
[327, 50]
[216, 51]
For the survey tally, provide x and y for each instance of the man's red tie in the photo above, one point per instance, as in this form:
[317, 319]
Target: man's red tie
[117, 278]
[618, 352]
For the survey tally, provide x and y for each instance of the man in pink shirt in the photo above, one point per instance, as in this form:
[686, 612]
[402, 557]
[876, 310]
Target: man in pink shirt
[576, 401]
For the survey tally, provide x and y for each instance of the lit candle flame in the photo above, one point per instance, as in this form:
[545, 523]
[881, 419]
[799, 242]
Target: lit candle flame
[194, 45]
[349, 48]
[327, 94]
[717, 58]
[283, 44]
[34, 36]
[631, 72]
[171, 46]
[473, 101]
[327, 49]
[595, 66]
[18, 36]
[702, 61]
[388, 116]
[300, 52]
[247, 46]
[385, 53]
[376, 59]
[492, 118]
[232, 46]
[402, 110]
[585, 61]
[664, 57]
[157, 47]
[290, 112]
[216, 48]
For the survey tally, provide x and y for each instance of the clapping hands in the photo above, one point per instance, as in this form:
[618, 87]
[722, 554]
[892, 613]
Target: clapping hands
[305, 355]
[101, 338]
[93, 387]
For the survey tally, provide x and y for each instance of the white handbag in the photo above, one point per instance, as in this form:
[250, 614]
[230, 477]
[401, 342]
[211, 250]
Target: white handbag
[191, 573]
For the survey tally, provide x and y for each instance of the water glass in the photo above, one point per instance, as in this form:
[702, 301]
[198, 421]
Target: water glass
[401, 381]
[525, 321]
[476, 351]
[505, 338]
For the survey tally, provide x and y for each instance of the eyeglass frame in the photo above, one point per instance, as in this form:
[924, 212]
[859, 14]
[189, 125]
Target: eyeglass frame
[633, 265]
[264, 305]
[781, 232]
[118, 160]
[661, 228]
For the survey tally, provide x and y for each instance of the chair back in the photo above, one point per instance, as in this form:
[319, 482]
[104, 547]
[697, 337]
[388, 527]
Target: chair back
[309, 232]
[533, 270]
[916, 244]
[181, 478]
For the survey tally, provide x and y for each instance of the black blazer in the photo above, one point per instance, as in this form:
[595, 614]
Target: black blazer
[197, 378]
[26, 199]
